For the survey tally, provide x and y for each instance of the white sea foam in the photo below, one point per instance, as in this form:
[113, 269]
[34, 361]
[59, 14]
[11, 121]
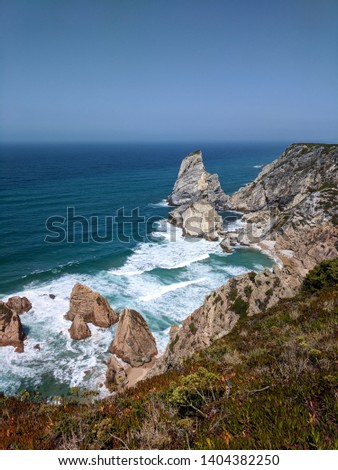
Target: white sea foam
[234, 225]
[235, 270]
[122, 272]
[175, 251]
[258, 166]
[162, 340]
[258, 267]
[165, 289]
[163, 203]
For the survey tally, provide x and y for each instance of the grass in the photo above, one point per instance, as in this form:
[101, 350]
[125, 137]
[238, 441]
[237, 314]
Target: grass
[270, 384]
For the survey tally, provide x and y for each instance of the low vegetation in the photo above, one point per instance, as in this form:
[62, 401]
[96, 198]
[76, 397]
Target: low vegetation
[270, 384]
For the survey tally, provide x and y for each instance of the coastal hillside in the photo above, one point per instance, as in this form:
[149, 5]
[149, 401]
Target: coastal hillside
[269, 384]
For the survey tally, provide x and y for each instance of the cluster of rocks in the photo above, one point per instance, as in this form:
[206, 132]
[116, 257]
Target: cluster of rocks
[11, 330]
[133, 341]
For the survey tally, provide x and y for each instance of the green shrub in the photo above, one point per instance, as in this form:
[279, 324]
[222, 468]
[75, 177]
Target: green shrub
[193, 328]
[322, 276]
[233, 293]
[172, 344]
[240, 306]
[195, 390]
[248, 291]
[252, 275]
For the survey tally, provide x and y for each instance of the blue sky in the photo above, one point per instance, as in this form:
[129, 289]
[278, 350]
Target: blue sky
[152, 70]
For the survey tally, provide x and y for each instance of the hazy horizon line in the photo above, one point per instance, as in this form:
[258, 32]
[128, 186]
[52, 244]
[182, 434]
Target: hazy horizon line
[164, 141]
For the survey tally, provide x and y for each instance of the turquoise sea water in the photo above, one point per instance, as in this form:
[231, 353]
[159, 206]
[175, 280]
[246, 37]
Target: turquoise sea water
[156, 272]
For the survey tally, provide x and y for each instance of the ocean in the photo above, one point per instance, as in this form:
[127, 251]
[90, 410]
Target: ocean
[149, 267]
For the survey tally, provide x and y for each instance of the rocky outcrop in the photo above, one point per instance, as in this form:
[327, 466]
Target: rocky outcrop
[19, 304]
[194, 183]
[116, 377]
[284, 183]
[79, 329]
[133, 342]
[91, 306]
[198, 220]
[11, 331]
[226, 245]
[308, 233]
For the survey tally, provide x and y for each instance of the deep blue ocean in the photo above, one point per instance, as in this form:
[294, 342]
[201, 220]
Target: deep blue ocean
[156, 271]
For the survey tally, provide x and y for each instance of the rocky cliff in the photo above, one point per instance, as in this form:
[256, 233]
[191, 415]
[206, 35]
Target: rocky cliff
[300, 170]
[291, 212]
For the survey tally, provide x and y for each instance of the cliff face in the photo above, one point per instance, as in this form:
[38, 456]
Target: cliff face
[284, 183]
[291, 211]
[293, 206]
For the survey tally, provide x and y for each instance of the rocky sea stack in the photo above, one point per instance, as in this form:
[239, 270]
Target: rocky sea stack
[197, 195]
[133, 342]
[11, 331]
[194, 184]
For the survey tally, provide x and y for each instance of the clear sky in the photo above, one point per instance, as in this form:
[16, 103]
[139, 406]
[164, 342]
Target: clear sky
[120, 70]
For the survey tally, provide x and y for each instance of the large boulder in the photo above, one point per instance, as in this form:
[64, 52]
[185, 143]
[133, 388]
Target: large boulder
[19, 304]
[226, 246]
[116, 377]
[133, 342]
[198, 219]
[91, 306]
[79, 329]
[11, 332]
[194, 183]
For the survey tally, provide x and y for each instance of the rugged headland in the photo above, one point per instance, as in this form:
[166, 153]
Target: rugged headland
[259, 351]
